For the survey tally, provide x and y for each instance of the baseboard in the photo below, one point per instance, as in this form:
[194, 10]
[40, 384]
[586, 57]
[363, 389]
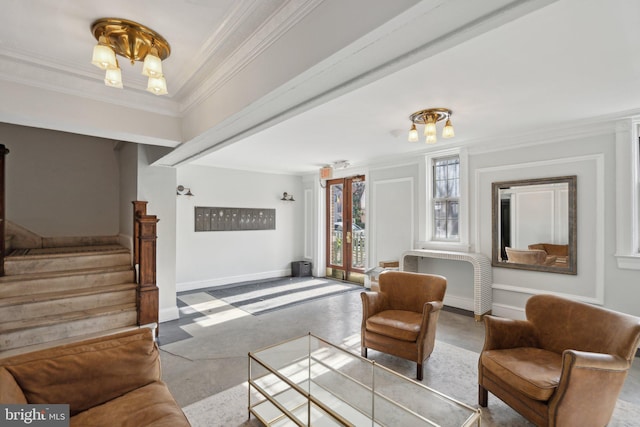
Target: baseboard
[508, 311]
[461, 311]
[459, 302]
[221, 281]
[168, 313]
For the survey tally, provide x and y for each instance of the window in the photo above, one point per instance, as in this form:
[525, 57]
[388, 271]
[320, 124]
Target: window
[446, 198]
[445, 224]
[628, 194]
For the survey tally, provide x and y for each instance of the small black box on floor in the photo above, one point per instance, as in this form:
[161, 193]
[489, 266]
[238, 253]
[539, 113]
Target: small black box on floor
[301, 268]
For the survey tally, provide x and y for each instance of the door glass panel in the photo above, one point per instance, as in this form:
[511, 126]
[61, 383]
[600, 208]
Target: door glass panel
[335, 223]
[358, 216]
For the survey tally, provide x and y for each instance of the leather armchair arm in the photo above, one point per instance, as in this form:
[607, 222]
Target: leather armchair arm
[501, 333]
[574, 359]
[589, 386]
[429, 311]
[373, 303]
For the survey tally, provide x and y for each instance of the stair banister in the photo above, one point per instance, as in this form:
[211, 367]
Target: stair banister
[144, 254]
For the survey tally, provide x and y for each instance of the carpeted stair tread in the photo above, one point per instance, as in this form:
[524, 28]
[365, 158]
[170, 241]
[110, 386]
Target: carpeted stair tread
[64, 318]
[52, 296]
[52, 274]
[62, 341]
[38, 253]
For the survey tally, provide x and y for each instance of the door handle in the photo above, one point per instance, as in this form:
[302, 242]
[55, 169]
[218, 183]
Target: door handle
[348, 237]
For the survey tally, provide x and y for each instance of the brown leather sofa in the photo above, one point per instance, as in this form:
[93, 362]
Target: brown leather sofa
[562, 367]
[401, 319]
[108, 381]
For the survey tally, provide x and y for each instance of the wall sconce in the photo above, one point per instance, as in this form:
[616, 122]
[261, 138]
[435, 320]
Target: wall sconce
[287, 197]
[184, 191]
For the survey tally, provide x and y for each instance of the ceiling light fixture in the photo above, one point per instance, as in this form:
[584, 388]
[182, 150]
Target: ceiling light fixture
[135, 42]
[429, 118]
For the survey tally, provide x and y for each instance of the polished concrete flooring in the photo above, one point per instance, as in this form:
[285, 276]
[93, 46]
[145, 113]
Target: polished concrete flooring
[205, 352]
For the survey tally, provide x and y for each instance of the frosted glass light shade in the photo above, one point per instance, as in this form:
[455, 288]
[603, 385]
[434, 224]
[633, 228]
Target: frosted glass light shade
[103, 56]
[447, 132]
[431, 139]
[413, 134]
[152, 64]
[113, 78]
[430, 127]
[157, 85]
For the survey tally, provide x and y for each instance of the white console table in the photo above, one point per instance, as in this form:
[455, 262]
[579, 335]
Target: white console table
[482, 273]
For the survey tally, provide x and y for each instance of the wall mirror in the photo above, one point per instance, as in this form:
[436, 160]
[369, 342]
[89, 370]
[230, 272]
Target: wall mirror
[534, 224]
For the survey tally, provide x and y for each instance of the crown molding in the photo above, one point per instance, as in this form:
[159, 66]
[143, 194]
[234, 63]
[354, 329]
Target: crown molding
[212, 45]
[60, 78]
[288, 15]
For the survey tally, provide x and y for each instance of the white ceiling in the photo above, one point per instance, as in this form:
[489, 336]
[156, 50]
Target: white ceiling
[506, 68]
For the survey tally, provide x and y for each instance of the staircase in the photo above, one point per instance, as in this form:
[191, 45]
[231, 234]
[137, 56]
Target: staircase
[52, 295]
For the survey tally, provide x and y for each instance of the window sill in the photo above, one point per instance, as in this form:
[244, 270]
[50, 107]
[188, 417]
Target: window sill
[443, 246]
[628, 262]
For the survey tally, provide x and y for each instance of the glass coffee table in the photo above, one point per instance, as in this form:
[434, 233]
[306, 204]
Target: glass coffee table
[308, 381]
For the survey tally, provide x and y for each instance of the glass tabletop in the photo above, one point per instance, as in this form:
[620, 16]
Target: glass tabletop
[308, 381]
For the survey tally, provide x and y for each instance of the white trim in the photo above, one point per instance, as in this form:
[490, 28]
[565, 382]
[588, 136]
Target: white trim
[308, 211]
[458, 302]
[627, 197]
[532, 291]
[270, 32]
[508, 311]
[461, 245]
[371, 251]
[220, 281]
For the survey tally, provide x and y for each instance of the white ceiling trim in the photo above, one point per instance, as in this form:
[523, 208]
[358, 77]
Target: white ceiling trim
[51, 76]
[213, 44]
[278, 24]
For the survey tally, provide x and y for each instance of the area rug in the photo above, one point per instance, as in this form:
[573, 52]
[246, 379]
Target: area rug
[450, 370]
[266, 296]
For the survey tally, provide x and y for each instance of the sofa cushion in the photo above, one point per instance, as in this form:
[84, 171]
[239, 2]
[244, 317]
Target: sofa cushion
[10, 391]
[398, 324]
[532, 371]
[151, 405]
[88, 373]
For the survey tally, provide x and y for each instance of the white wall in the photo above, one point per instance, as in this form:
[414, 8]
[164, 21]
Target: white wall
[590, 156]
[212, 258]
[128, 183]
[394, 206]
[61, 184]
[157, 185]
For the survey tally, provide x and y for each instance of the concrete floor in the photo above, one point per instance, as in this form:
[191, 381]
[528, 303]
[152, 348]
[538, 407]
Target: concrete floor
[205, 352]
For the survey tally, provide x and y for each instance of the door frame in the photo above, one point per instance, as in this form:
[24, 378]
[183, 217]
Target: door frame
[346, 271]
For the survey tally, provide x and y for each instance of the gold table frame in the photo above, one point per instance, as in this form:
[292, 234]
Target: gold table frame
[307, 381]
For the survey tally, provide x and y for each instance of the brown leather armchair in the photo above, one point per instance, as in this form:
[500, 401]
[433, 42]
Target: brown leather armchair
[531, 256]
[563, 366]
[401, 319]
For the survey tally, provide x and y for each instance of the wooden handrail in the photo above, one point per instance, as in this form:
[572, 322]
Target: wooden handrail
[144, 254]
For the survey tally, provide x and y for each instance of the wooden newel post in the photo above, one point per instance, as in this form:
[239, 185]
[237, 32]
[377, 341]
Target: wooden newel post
[3, 152]
[148, 302]
[144, 256]
[139, 210]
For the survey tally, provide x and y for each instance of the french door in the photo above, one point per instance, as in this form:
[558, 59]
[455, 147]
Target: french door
[346, 221]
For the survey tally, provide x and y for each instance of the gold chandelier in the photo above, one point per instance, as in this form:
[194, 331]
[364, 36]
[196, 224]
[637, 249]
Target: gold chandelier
[134, 42]
[429, 118]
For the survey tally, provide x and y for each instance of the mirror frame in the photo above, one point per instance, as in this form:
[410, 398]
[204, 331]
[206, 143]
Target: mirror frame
[572, 261]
